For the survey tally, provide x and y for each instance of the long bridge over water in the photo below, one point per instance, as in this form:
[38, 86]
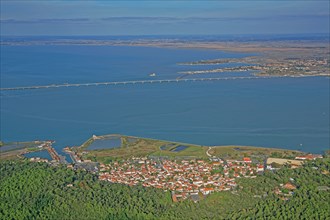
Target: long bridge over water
[132, 82]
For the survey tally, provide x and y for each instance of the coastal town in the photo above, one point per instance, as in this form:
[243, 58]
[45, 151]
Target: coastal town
[188, 179]
[267, 66]
[164, 110]
[185, 178]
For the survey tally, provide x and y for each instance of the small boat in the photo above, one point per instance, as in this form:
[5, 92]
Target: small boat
[152, 74]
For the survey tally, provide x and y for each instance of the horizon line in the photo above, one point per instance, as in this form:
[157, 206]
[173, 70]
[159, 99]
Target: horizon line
[210, 35]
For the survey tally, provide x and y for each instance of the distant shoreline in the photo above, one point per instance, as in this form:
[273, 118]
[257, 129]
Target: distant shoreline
[244, 45]
[276, 57]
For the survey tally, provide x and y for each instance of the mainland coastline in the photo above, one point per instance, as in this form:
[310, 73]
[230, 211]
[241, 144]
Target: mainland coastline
[286, 58]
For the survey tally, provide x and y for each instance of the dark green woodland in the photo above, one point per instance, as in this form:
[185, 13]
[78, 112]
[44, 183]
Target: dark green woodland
[40, 191]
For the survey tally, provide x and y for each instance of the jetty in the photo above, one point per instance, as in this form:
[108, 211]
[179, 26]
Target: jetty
[55, 156]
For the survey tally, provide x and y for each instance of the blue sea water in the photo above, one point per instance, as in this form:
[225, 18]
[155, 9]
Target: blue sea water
[281, 112]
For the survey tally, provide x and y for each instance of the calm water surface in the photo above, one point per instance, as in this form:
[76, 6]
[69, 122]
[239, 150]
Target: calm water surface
[179, 148]
[42, 154]
[284, 112]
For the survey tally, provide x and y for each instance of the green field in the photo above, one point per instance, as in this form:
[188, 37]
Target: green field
[236, 152]
[141, 147]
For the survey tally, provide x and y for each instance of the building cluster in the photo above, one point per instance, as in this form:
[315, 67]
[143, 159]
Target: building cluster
[38, 159]
[184, 178]
[277, 163]
[275, 66]
[310, 61]
[297, 62]
[285, 191]
[294, 66]
[309, 157]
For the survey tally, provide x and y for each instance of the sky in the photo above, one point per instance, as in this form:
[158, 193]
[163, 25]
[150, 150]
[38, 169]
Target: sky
[165, 17]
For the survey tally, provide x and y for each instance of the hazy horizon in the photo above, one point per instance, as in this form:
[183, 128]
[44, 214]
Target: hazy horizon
[117, 18]
[179, 35]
